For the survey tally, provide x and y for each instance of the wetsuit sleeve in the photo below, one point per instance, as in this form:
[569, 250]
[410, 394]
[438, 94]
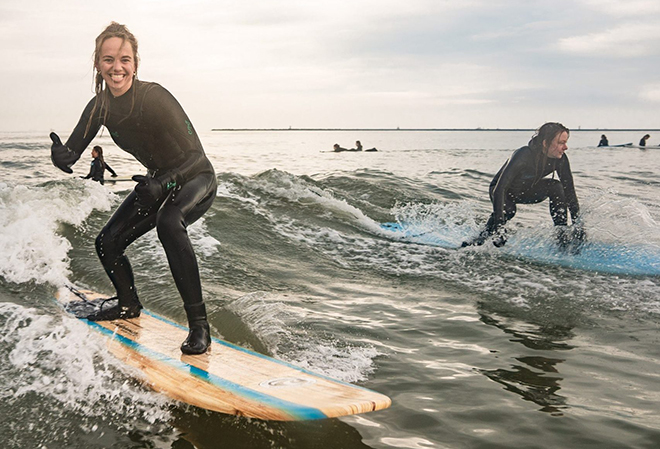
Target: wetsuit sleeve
[107, 167]
[566, 178]
[78, 141]
[508, 173]
[91, 172]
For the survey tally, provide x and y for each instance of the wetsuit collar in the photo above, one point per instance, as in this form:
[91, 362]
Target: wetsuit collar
[125, 94]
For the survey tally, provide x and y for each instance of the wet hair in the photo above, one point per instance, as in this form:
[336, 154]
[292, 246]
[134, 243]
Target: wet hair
[113, 30]
[546, 133]
[99, 151]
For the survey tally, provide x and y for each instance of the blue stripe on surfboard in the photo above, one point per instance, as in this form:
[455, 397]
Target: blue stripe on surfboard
[294, 410]
[256, 354]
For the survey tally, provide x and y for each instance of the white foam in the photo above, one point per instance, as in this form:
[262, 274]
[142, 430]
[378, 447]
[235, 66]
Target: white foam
[30, 241]
[295, 189]
[58, 358]
[612, 218]
[204, 244]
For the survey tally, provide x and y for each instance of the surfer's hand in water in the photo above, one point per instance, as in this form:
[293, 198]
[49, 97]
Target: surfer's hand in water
[579, 235]
[148, 189]
[62, 157]
[571, 239]
[500, 238]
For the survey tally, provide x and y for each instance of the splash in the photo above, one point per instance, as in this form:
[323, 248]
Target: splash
[30, 241]
[59, 360]
[616, 219]
[452, 222]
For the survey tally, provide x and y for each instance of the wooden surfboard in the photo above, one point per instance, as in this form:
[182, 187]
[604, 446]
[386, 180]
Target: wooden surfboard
[228, 378]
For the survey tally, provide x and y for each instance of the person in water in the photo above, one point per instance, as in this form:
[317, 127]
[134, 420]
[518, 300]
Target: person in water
[522, 179]
[603, 141]
[358, 147]
[338, 149]
[144, 119]
[99, 166]
[642, 142]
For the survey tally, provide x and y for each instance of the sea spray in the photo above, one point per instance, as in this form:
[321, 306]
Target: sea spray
[58, 359]
[31, 243]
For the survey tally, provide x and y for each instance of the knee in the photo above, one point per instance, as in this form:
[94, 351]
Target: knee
[169, 222]
[106, 247]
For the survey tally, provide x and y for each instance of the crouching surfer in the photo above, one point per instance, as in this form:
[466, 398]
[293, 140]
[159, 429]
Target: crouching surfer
[522, 179]
[145, 120]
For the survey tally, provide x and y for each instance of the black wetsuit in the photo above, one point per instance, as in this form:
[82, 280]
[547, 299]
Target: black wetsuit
[603, 142]
[149, 123]
[97, 170]
[522, 180]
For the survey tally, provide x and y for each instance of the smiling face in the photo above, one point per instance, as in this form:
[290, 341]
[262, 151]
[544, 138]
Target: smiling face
[557, 147]
[117, 65]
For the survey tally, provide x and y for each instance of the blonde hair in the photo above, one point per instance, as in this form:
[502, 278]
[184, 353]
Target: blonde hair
[101, 104]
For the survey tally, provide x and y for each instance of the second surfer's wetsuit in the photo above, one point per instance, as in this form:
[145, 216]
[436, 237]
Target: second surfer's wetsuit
[97, 170]
[522, 180]
[149, 123]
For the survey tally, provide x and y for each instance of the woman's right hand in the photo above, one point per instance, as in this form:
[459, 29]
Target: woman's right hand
[62, 157]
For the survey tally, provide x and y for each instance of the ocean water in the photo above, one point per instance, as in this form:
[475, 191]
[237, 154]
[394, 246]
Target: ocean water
[477, 348]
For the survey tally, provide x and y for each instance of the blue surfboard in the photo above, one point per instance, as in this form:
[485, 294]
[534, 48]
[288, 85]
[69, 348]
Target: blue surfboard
[633, 259]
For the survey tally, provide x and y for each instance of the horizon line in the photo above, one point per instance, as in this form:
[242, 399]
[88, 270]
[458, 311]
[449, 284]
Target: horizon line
[428, 129]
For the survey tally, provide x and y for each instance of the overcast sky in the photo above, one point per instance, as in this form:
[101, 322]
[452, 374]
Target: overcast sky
[351, 64]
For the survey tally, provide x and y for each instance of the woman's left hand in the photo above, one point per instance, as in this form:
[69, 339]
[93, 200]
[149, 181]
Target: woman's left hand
[148, 189]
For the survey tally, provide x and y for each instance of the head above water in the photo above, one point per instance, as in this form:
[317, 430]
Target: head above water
[550, 138]
[97, 153]
[119, 35]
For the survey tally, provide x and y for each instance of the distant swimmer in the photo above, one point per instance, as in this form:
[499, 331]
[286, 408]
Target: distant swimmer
[522, 179]
[99, 166]
[642, 142]
[358, 147]
[603, 141]
[144, 119]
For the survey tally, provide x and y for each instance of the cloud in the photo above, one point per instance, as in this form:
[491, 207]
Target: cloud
[651, 92]
[348, 62]
[623, 41]
[619, 8]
